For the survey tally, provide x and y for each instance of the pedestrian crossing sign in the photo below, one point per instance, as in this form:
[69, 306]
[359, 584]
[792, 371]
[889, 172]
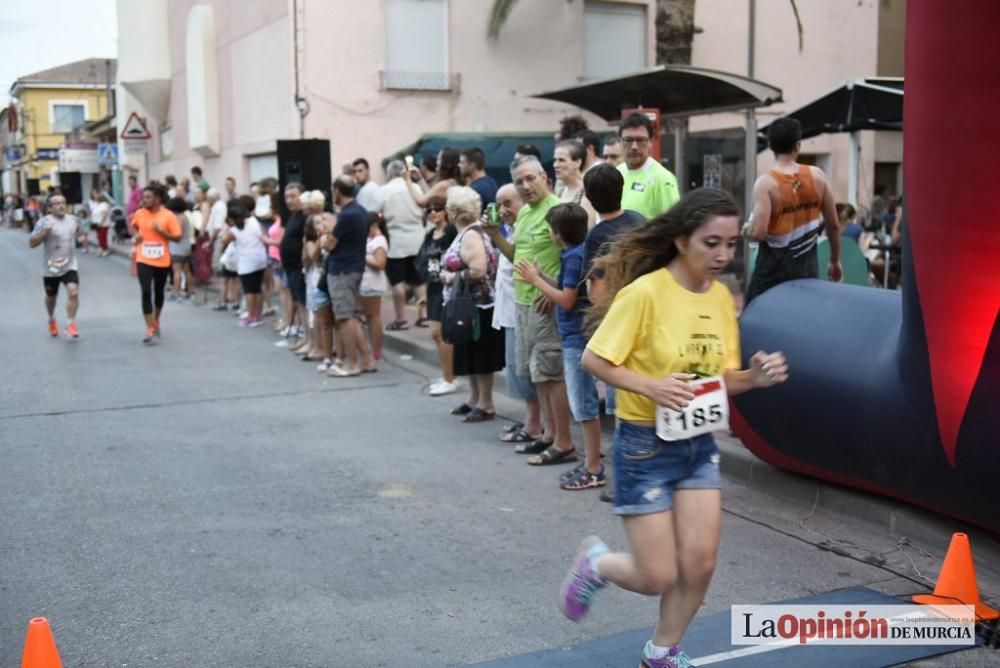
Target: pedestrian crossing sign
[107, 155]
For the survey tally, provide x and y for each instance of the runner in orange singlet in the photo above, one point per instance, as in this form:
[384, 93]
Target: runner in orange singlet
[155, 227]
[791, 203]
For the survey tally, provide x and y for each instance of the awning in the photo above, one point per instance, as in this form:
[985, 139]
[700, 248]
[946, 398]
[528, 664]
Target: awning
[869, 103]
[676, 90]
[498, 146]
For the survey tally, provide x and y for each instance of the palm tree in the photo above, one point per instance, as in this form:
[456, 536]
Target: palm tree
[675, 29]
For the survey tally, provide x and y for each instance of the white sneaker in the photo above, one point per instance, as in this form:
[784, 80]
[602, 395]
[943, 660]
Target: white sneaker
[283, 343]
[284, 331]
[442, 388]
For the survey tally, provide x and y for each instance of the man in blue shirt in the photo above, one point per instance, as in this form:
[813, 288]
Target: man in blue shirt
[472, 165]
[344, 267]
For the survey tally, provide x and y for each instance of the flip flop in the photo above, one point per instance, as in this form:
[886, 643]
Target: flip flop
[397, 326]
[463, 409]
[514, 426]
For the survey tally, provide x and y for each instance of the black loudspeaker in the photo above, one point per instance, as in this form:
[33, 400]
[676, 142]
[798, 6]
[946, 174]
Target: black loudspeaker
[71, 186]
[305, 161]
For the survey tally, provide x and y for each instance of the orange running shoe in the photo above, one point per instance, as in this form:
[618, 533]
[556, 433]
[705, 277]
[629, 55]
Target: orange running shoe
[156, 328]
[53, 327]
[150, 336]
[71, 331]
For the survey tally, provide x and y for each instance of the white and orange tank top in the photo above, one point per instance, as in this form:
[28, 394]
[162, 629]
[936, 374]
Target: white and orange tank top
[796, 219]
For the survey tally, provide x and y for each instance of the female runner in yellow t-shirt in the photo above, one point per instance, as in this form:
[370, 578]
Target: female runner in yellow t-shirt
[668, 340]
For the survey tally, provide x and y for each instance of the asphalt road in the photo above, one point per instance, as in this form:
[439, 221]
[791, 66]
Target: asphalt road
[211, 501]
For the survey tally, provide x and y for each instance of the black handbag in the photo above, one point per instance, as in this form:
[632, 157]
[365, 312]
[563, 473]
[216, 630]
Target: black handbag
[460, 320]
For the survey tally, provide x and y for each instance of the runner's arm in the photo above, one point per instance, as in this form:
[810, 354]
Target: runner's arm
[830, 219]
[671, 391]
[38, 237]
[761, 210]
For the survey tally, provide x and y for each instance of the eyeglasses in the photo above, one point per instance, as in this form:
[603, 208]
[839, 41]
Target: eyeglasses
[434, 209]
[638, 141]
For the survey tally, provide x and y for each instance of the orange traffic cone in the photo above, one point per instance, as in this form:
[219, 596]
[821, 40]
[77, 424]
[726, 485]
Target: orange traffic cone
[40, 646]
[956, 584]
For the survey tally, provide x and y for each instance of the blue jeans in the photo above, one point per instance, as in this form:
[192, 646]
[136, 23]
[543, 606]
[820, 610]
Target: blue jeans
[518, 386]
[581, 388]
[648, 470]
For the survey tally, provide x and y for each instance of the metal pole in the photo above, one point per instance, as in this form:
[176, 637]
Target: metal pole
[750, 145]
[853, 168]
[295, 46]
[680, 167]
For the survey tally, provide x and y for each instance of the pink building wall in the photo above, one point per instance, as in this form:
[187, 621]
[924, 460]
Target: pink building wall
[342, 52]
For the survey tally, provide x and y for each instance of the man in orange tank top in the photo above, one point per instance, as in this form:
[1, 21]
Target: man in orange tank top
[791, 203]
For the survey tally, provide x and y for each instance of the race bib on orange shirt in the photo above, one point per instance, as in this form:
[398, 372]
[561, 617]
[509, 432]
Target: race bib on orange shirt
[152, 251]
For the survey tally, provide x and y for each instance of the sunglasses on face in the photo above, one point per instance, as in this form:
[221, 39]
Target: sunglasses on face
[435, 209]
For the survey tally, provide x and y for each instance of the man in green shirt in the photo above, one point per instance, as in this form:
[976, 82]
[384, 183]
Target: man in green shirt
[650, 188]
[539, 350]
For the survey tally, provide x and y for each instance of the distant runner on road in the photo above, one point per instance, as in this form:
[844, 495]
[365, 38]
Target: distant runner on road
[155, 228]
[59, 232]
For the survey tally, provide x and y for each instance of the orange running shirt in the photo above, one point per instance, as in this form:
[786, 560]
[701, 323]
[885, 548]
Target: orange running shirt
[154, 250]
[789, 250]
[796, 219]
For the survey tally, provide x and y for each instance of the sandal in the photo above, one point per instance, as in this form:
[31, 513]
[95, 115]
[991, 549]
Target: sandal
[553, 455]
[479, 415]
[569, 475]
[584, 479]
[533, 448]
[422, 322]
[464, 409]
[398, 326]
[511, 428]
[518, 436]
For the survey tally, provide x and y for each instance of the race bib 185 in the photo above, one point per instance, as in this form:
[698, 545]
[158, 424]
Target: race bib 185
[707, 412]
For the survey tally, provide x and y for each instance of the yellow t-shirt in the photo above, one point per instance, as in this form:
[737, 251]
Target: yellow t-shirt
[655, 327]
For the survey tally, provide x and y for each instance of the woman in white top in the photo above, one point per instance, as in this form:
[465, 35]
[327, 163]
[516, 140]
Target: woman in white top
[251, 256]
[374, 282]
[100, 212]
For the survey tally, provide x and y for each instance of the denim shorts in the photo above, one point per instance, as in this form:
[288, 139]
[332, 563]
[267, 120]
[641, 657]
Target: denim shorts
[316, 299]
[581, 388]
[648, 470]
